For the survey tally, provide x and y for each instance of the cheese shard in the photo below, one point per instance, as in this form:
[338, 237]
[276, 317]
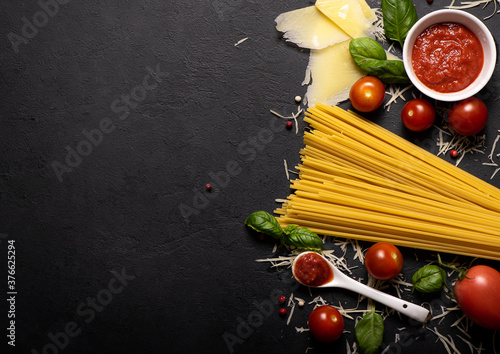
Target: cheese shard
[310, 28]
[348, 15]
[332, 72]
[367, 11]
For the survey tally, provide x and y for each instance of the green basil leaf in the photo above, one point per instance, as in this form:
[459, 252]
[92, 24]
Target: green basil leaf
[369, 332]
[429, 279]
[290, 228]
[370, 57]
[365, 47]
[304, 239]
[398, 16]
[263, 222]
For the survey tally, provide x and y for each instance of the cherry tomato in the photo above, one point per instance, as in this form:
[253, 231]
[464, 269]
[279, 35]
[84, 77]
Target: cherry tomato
[477, 296]
[367, 94]
[383, 261]
[468, 117]
[326, 323]
[418, 115]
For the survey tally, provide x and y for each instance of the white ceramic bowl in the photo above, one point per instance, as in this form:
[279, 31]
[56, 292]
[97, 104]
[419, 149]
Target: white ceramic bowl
[476, 26]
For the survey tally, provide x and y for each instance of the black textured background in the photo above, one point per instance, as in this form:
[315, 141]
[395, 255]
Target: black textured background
[191, 281]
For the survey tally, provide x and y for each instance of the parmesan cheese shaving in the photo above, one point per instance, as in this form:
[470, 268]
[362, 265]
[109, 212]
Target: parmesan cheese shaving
[240, 41]
[280, 261]
[462, 144]
[293, 116]
[310, 28]
[286, 170]
[471, 4]
[349, 15]
[290, 303]
[448, 342]
[301, 329]
[492, 156]
[333, 72]
[370, 14]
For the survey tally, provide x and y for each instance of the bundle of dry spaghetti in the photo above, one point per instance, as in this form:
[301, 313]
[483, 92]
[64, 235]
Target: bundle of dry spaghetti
[358, 180]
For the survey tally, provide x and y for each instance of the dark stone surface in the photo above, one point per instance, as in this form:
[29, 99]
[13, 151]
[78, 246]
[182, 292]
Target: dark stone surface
[104, 252]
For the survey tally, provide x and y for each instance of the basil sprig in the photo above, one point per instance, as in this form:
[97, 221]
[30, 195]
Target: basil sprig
[265, 223]
[370, 332]
[398, 16]
[370, 56]
[301, 239]
[429, 279]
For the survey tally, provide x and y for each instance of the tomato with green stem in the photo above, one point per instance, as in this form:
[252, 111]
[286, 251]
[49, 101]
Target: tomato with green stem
[477, 295]
[383, 261]
[367, 94]
[326, 323]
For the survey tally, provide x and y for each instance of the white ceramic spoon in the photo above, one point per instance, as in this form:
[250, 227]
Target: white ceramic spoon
[340, 280]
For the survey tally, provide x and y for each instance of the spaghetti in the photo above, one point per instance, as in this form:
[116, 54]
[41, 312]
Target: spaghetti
[358, 180]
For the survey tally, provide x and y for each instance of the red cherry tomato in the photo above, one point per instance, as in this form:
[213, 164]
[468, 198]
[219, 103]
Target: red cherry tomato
[418, 115]
[326, 323]
[367, 94]
[468, 117]
[477, 296]
[383, 261]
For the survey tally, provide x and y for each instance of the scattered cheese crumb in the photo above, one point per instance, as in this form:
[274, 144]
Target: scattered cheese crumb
[286, 170]
[492, 155]
[293, 116]
[240, 41]
[470, 4]
[462, 144]
[396, 92]
[301, 329]
[298, 99]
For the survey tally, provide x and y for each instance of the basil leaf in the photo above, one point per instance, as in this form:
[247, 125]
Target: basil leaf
[290, 228]
[370, 56]
[429, 279]
[369, 332]
[304, 239]
[262, 221]
[398, 16]
[364, 47]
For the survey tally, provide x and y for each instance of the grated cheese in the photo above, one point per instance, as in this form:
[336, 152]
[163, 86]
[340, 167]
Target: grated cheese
[240, 41]
[447, 342]
[280, 261]
[396, 92]
[462, 144]
[292, 304]
[293, 116]
[471, 4]
[301, 329]
[492, 156]
[286, 169]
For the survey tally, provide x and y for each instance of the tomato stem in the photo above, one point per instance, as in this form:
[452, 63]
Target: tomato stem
[462, 271]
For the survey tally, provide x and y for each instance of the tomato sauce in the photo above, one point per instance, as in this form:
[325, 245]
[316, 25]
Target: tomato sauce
[313, 270]
[447, 57]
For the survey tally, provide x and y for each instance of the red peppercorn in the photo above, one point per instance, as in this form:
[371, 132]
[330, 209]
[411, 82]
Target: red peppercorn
[289, 124]
[261, 237]
[283, 312]
[282, 299]
[208, 187]
[453, 153]
[429, 1]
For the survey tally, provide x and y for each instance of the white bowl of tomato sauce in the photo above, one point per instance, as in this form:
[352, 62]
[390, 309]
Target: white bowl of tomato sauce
[449, 55]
